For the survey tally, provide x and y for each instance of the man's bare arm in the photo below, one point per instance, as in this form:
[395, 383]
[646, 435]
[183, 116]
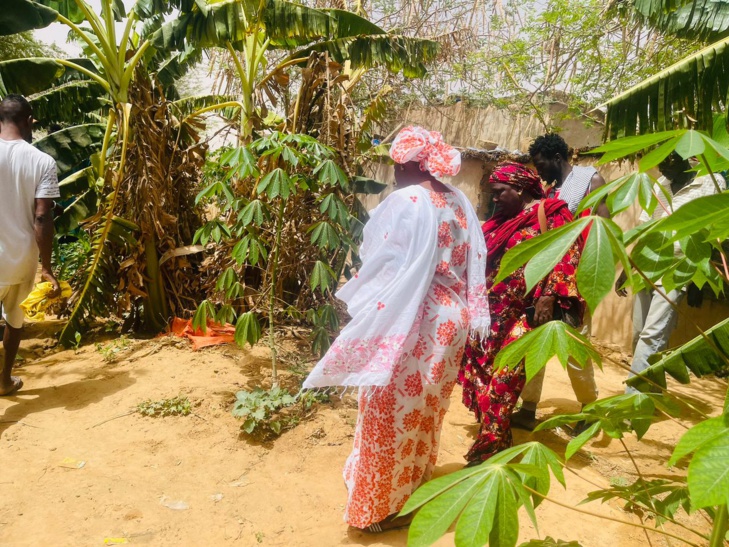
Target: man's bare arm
[601, 209]
[43, 225]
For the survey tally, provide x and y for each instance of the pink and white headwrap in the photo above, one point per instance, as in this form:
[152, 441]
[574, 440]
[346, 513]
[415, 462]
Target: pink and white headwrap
[414, 143]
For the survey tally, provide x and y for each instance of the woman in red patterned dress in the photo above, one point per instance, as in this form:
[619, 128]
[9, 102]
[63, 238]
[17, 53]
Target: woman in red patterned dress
[517, 193]
[420, 289]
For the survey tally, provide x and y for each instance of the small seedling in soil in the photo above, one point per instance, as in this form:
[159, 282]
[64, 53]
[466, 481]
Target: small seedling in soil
[260, 536]
[77, 342]
[177, 406]
[268, 413]
[111, 351]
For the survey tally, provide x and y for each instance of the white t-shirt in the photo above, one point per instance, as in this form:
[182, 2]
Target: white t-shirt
[26, 173]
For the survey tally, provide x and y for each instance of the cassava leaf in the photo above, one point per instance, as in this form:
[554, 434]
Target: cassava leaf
[700, 356]
[628, 146]
[542, 253]
[594, 277]
[322, 277]
[247, 329]
[538, 346]
[433, 519]
[708, 473]
[707, 212]
[697, 436]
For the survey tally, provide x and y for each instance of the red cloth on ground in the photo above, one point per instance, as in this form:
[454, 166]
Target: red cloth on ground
[216, 334]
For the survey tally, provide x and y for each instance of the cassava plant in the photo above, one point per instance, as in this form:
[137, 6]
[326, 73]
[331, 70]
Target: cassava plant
[285, 216]
[484, 500]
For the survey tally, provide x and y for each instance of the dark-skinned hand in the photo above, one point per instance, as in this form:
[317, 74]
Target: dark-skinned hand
[544, 310]
[47, 275]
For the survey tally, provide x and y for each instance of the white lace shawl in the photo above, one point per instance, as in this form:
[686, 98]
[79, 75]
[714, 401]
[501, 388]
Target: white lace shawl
[399, 259]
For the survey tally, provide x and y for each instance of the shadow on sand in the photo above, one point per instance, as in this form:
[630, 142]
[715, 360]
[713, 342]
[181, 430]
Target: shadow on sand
[71, 397]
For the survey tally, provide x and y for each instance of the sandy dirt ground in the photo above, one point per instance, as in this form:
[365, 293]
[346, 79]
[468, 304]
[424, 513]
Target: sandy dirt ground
[78, 406]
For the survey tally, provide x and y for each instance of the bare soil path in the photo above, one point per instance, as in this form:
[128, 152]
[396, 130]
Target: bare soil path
[76, 407]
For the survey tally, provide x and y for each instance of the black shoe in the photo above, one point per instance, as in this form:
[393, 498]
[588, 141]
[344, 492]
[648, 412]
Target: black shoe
[578, 429]
[524, 419]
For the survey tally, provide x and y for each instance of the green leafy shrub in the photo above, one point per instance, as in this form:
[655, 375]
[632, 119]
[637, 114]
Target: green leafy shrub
[176, 406]
[110, 352]
[285, 219]
[266, 413]
[69, 257]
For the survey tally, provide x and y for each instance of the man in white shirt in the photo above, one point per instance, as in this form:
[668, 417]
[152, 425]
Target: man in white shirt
[28, 186]
[654, 318]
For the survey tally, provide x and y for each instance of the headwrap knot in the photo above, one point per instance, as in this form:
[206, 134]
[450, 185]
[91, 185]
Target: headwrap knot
[415, 143]
[519, 176]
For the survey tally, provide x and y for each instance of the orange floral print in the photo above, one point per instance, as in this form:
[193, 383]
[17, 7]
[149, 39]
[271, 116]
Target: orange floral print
[445, 238]
[398, 428]
[438, 199]
[446, 333]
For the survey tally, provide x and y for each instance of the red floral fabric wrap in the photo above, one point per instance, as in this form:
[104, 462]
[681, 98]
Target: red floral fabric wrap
[491, 394]
[519, 176]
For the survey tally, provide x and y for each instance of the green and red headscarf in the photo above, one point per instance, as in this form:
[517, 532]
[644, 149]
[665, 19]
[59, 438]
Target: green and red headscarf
[499, 229]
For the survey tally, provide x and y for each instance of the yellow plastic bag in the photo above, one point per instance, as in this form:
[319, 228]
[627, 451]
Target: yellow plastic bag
[37, 303]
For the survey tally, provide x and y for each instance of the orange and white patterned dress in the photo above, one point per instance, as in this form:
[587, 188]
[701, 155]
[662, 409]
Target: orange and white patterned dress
[420, 290]
[398, 427]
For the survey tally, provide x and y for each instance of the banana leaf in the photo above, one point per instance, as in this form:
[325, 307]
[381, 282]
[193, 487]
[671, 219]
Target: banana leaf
[686, 91]
[67, 103]
[396, 53]
[28, 76]
[188, 105]
[291, 25]
[700, 19]
[171, 67]
[698, 356]
[210, 24]
[71, 10]
[150, 8]
[72, 146]
[21, 15]
[81, 197]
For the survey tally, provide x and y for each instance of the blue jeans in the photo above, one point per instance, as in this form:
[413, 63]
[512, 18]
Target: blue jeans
[653, 322]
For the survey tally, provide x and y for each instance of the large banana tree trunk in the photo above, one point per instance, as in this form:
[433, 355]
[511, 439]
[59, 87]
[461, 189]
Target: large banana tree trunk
[159, 189]
[157, 310]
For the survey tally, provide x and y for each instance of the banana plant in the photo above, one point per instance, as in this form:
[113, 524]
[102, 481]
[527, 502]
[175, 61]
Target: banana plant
[250, 29]
[92, 157]
[688, 93]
